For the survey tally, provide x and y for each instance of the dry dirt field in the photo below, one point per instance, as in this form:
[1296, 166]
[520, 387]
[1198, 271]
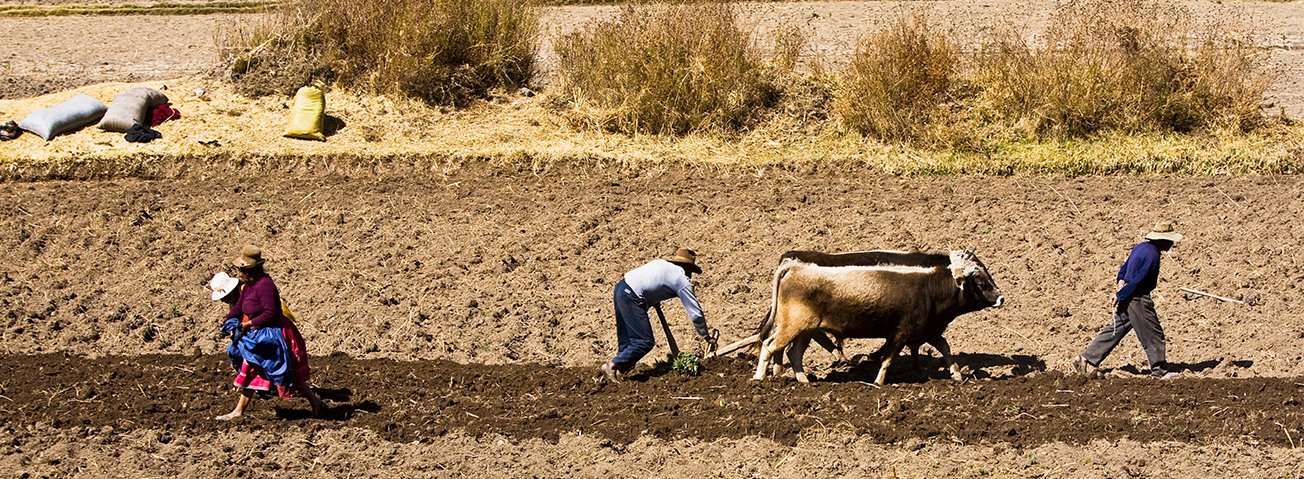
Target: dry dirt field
[457, 318]
[458, 321]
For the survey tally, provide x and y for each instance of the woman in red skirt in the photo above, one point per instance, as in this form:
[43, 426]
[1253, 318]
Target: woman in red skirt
[266, 348]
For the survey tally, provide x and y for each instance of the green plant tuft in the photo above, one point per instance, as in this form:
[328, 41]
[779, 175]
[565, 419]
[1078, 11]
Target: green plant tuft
[686, 363]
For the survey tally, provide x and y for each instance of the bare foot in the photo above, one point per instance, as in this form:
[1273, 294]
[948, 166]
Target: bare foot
[228, 416]
[318, 410]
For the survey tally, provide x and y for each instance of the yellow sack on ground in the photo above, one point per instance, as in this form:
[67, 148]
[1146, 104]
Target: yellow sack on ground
[307, 115]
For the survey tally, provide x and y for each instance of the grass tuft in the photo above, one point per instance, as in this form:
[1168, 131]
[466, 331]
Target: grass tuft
[446, 52]
[669, 69]
[1123, 65]
[898, 80]
[685, 363]
[1101, 66]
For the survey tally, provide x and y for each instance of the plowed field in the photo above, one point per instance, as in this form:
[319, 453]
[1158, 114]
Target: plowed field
[447, 310]
[457, 316]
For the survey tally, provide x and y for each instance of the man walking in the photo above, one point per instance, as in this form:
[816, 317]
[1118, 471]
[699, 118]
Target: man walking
[645, 287]
[1133, 308]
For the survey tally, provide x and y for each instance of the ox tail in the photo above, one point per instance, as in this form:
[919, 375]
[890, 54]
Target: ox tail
[767, 324]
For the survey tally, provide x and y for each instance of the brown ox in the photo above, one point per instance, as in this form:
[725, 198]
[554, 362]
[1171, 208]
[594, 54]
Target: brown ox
[863, 258]
[903, 304]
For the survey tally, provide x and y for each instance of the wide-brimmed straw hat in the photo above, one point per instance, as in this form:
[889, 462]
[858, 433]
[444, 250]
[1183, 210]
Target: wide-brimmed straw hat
[250, 256]
[1163, 231]
[688, 259]
[222, 285]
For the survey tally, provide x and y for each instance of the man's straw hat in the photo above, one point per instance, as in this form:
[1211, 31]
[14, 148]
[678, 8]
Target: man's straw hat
[1163, 231]
[688, 259]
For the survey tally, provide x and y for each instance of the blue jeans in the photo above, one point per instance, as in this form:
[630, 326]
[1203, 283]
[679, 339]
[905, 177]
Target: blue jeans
[633, 328]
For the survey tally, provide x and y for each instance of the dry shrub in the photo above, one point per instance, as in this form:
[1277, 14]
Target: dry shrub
[1126, 65]
[790, 41]
[897, 81]
[441, 51]
[261, 56]
[666, 69]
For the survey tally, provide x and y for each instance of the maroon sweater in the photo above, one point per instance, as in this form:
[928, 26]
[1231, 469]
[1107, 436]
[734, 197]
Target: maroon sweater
[260, 301]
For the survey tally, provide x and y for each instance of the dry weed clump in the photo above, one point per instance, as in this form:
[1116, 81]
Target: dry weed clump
[898, 80]
[161, 8]
[667, 69]
[441, 51]
[1125, 65]
[1129, 66]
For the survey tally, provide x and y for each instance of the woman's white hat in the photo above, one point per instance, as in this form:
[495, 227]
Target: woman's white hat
[222, 285]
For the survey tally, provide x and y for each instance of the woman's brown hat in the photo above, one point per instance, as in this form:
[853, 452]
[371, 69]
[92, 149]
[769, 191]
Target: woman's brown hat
[688, 259]
[250, 256]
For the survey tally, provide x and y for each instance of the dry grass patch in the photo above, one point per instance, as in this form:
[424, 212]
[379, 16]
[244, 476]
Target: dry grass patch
[447, 52]
[208, 8]
[668, 69]
[1100, 67]
[1126, 65]
[525, 134]
[898, 81]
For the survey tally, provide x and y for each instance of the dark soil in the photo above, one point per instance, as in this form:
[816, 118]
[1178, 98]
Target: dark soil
[405, 401]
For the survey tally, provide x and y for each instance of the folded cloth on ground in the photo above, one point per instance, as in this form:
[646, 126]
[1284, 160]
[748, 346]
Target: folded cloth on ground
[142, 134]
[131, 107]
[163, 113]
[9, 131]
[71, 115]
[307, 115]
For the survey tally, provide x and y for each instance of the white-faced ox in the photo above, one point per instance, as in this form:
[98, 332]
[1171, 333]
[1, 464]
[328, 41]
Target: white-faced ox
[862, 258]
[903, 304]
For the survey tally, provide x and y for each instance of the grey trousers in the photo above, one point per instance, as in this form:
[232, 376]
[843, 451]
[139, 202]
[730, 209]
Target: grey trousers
[1136, 313]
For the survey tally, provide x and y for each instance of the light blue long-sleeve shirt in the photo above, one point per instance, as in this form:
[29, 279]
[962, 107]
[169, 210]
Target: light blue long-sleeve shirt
[660, 280]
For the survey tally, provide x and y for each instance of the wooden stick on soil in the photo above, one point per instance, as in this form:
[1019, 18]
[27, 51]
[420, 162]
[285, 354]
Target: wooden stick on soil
[733, 347]
[1214, 296]
[670, 338]
[1229, 198]
[1075, 205]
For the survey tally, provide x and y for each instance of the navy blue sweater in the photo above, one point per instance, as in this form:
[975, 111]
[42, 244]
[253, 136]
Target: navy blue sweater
[1140, 272]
